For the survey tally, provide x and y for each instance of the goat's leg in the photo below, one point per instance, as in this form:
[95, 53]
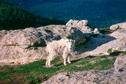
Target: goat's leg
[65, 58]
[48, 61]
[68, 59]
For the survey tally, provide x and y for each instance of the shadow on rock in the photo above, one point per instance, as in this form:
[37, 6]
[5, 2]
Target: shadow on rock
[93, 42]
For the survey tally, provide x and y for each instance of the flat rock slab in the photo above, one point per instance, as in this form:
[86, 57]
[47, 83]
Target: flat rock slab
[87, 77]
[111, 76]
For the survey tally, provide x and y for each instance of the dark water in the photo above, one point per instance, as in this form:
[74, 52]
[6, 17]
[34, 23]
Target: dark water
[100, 13]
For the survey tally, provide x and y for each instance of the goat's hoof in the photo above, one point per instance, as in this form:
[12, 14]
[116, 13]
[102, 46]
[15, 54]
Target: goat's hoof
[69, 62]
[64, 64]
[49, 66]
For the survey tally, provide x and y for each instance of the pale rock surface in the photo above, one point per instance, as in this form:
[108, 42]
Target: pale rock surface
[61, 31]
[118, 26]
[120, 64]
[93, 76]
[82, 25]
[22, 46]
[28, 37]
[3, 33]
[100, 45]
[84, 77]
[88, 77]
[78, 23]
[16, 55]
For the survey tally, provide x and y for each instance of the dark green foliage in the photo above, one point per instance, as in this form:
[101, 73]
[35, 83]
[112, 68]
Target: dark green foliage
[105, 30]
[16, 18]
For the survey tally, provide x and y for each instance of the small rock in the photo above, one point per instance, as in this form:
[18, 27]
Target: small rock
[96, 31]
[120, 64]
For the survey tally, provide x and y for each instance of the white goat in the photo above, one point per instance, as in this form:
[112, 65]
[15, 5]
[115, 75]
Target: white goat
[63, 47]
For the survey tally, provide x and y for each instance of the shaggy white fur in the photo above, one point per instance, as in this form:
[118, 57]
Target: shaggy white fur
[63, 47]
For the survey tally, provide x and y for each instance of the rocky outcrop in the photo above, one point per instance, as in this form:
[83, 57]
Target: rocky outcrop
[118, 26]
[27, 45]
[22, 46]
[85, 77]
[88, 77]
[28, 42]
[26, 38]
[92, 77]
[100, 44]
[82, 25]
[60, 31]
[77, 23]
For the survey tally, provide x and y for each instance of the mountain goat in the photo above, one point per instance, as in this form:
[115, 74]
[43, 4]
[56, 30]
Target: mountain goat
[63, 47]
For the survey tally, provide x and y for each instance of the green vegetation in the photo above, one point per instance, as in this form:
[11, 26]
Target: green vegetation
[16, 18]
[36, 72]
[109, 50]
[105, 30]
